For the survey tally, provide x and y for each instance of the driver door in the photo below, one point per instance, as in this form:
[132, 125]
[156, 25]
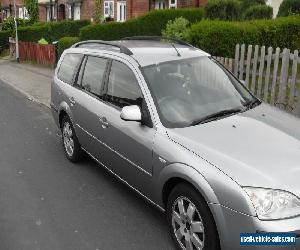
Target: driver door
[130, 143]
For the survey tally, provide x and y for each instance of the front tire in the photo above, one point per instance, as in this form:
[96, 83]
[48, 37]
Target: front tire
[190, 221]
[71, 145]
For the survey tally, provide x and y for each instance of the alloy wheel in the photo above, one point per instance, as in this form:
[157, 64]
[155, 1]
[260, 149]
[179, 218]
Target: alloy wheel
[187, 224]
[68, 139]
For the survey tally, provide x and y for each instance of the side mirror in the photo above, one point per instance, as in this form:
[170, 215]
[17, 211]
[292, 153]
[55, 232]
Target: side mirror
[131, 113]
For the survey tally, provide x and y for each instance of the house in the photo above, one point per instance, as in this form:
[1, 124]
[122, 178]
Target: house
[7, 9]
[118, 10]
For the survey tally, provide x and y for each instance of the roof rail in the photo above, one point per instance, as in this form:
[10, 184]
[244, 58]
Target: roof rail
[158, 38]
[122, 48]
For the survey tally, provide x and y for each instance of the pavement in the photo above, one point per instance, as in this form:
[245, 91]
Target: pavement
[31, 80]
[46, 202]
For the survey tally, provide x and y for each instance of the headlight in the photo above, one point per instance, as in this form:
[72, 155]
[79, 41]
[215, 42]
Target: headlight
[273, 204]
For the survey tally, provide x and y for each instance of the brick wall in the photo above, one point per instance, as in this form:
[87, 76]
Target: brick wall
[87, 9]
[138, 8]
[42, 13]
[190, 3]
[185, 3]
[202, 3]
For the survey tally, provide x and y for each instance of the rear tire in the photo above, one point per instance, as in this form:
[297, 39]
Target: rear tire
[190, 221]
[71, 145]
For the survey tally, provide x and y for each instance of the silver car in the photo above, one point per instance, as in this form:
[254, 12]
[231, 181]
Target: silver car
[180, 130]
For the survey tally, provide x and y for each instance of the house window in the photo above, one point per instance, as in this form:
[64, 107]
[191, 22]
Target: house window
[48, 11]
[109, 9]
[5, 14]
[77, 12]
[23, 13]
[69, 11]
[54, 12]
[26, 14]
[51, 12]
[172, 4]
[160, 4]
[121, 13]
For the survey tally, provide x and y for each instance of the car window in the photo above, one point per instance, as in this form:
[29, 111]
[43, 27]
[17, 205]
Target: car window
[93, 74]
[188, 90]
[68, 67]
[123, 88]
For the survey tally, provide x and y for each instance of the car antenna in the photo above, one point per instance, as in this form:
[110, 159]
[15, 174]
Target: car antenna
[173, 45]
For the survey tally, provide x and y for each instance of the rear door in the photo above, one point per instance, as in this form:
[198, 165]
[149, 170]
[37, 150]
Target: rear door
[89, 102]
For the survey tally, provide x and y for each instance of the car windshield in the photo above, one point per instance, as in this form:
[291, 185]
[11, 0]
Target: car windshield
[189, 90]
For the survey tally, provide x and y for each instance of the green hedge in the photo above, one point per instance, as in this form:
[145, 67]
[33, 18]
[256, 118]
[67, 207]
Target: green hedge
[65, 43]
[258, 12]
[223, 9]
[150, 24]
[289, 7]
[51, 31]
[4, 35]
[220, 37]
[248, 3]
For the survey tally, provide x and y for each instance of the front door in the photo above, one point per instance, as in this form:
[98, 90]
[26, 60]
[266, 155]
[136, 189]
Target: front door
[121, 11]
[130, 143]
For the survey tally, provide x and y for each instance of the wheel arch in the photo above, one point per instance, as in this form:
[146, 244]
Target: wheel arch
[189, 175]
[64, 110]
[174, 174]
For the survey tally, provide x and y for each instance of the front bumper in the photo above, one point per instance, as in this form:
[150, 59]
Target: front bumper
[231, 223]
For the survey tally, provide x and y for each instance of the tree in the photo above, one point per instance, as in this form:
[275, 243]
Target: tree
[32, 7]
[98, 18]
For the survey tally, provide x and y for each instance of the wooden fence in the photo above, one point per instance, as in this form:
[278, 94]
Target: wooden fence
[41, 54]
[273, 75]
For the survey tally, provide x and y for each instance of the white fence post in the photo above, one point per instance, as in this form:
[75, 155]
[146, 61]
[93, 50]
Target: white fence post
[253, 83]
[236, 60]
[249, 55]
[268, 70]
[242, 62]
[274, 81]
[284, 75]
[261, 70]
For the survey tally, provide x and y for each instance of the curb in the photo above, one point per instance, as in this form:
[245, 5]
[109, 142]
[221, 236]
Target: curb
[28, 96]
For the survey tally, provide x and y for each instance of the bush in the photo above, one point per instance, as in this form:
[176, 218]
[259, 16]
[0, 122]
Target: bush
[223, 9]
[176, 29]
[51, 31]
[150, 24]
[248, 3]
[289, 7]
[9, 24]
[219, 37]
[258, 12]
[4, 35]
[65, 43]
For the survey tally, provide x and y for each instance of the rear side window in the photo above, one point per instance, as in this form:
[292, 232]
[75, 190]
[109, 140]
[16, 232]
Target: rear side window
[123, 88]
[93, 74]
[68, 67]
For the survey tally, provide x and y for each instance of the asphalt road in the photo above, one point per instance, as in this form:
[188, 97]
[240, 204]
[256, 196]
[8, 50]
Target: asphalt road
[47, 202]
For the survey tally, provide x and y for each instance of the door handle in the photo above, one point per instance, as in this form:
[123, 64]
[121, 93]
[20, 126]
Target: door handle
[104, 122]
[72, 101]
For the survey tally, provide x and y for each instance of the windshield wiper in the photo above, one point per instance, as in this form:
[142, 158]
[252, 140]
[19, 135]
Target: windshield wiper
[216, 115]
[252, 104]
